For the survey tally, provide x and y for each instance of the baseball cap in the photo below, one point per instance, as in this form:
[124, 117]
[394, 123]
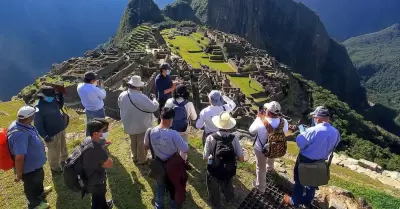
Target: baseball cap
[47, 91]
[90, 76]
[273, 107]
[320, 111]
[215, 98]
[165, 66]
[26, 112]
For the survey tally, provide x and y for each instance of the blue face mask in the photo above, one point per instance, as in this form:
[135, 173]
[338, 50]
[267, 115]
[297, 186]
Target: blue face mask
[168, 72]
[48, 99]
[313, 122]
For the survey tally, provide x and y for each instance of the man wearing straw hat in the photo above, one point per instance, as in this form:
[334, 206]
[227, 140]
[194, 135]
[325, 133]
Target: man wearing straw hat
[222, 150]
[136, 110]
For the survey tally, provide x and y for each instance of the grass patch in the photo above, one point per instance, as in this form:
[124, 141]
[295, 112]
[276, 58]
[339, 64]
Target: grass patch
[186, 44]
[8, 112]
[243, 84]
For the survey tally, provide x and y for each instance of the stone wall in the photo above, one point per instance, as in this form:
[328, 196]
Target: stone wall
[104, 72]
[120, 75]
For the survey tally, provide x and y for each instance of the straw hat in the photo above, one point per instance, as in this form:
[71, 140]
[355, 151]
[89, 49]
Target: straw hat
[224, 121]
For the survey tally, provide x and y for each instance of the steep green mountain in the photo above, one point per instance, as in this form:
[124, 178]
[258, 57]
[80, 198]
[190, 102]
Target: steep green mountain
[349, 18]
[180, 11]
[293, 34]
[137, 12]
[377, 57]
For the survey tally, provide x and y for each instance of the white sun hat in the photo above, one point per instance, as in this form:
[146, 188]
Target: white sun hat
[136, 81]
[224, 121]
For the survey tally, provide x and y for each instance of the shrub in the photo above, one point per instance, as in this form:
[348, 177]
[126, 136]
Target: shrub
[177, 47]
[171, 45]
[202, 38]
[198, 41]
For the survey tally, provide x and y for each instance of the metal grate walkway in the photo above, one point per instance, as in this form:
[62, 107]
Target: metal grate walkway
[271, 199]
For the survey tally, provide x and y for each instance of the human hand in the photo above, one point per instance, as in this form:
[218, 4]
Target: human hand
[152, 96]
[18, 177]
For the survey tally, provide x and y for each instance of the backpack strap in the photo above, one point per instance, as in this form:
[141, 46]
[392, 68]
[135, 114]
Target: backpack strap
[151, 147]
[15, 130]
[281, 124]
[135, 105]
[217, 138]
[267, 125]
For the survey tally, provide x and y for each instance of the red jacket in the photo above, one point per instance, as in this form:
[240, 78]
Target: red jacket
[177, 178]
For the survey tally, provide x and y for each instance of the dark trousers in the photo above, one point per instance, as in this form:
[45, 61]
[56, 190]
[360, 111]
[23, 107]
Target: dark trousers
[216, 187]
[161, 102]
[98, 196]
[33, 187]
[302, 195]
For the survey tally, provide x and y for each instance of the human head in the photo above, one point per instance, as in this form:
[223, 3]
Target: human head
[26, 114]
[224, 121]
[181, 91]
[98, 128]
[90, 77]
[47, 93]
[320, 115]
[135, 82]
[272, 109]
[215, 98]
[165, 69]
[167, 116]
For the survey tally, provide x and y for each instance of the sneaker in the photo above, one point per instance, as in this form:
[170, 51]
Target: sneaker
[43, 205]
[110, 204]
[286, 200]
[46, 191]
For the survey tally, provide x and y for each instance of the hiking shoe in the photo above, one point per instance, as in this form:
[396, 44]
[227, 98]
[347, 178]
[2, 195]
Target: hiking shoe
[110, 204]
[46, 191]
[287, 200]
[43, 205]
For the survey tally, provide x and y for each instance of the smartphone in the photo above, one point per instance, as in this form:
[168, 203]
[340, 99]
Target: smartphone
[302, 128]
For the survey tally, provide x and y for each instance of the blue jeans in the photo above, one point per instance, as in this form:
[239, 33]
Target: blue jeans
[302, 195]
[160, 194]
[94, 114]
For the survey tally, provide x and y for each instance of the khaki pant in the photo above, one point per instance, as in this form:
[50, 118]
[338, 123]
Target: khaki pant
[263, 164]
[185, 137]
[137, 148]
[57, 151]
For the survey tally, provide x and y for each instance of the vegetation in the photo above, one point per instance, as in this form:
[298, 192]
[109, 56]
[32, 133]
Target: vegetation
[360, 138]
[376, 56]
[135, 41]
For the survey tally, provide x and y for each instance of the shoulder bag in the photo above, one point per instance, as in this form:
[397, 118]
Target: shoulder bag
[316, 173]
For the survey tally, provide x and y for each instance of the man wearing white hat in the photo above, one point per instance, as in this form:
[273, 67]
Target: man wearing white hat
[269, 115]
[222, 150]
[215, 108]
[136, 110]
[29, 155]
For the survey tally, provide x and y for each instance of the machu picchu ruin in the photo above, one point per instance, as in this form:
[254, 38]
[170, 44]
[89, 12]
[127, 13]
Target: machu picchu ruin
[223, 64]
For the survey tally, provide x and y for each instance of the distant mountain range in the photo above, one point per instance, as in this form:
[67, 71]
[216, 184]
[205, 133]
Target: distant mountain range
[34, 34]
[377, 58]
[344, 19]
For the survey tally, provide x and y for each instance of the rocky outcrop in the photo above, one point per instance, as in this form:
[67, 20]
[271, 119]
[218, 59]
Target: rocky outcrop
[294, 35]
[370, 169]
[180, 11]
[333, 197]
[136, 13]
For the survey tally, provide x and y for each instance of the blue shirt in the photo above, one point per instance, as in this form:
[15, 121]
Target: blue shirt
[318, 141]
[31, 146]
[165, 142]
[162, 84]
[49, 121]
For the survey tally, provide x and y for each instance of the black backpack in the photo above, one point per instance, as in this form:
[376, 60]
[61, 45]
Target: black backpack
[223, 166]
[73, 175]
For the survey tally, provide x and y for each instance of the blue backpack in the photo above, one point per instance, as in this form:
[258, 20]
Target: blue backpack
[180, 122]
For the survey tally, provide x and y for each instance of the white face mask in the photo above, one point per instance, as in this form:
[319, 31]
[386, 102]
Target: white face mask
[105, 135]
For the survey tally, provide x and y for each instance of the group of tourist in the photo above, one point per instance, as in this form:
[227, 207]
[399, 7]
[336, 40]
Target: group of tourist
[166, 138]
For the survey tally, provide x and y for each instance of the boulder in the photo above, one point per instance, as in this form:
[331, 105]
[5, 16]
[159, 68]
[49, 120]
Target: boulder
[340, 191]
[370, 165]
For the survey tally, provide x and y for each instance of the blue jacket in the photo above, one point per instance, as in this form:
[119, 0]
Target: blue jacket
[49, 121]
[163, 83]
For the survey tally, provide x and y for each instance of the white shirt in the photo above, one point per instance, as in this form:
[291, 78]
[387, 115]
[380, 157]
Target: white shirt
[207, 113]
[190, 110]
[91, 96]
[258, 127]
[133, 120]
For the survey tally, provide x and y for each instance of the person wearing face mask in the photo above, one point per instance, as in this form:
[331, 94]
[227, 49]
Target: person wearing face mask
[95, 160]
[316, 143]
[29, 156]
[164, 85]
[51, 126]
